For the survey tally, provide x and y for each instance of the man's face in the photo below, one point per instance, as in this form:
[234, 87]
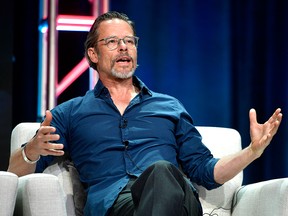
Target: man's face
[120, 62]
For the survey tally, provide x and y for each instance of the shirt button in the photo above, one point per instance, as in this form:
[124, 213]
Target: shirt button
[126, 143]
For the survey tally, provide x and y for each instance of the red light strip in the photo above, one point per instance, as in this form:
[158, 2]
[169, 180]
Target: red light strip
[79, 69]
[74, 23]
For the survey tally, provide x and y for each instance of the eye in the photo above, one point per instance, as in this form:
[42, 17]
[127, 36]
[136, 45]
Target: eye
[111, 41]
[130, 40]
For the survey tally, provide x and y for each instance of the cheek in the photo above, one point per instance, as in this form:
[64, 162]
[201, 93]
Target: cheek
[105, 61]
[135, 59]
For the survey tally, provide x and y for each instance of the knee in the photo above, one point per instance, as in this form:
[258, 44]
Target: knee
[162, 164]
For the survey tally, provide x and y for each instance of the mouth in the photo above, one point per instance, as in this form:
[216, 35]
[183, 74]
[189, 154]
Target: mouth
[123, 59]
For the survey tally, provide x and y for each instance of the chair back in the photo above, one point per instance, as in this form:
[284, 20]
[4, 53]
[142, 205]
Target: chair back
[22, 133]
[221, 141]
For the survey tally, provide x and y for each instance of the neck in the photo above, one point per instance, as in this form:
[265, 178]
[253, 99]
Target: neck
[122, 93]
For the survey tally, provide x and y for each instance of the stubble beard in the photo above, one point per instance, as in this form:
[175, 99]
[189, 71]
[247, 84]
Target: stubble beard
[121, 75]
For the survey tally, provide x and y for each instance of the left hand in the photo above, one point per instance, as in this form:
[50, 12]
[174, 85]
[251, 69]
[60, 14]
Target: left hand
[262, 134]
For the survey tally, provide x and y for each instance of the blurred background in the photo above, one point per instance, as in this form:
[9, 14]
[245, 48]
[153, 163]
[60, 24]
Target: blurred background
[218, 57]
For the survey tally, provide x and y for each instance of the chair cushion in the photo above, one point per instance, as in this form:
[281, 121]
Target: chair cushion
[8, 191]
[69, 179]
[221, 142]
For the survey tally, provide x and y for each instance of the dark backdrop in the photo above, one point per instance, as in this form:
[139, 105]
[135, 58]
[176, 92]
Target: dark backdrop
[6, 19]
[219, 57]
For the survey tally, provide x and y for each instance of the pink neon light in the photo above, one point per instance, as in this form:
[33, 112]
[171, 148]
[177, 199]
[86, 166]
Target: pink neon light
[74, 22]
[105, 6]
[73, 28]
[74, 19]
[79, 69]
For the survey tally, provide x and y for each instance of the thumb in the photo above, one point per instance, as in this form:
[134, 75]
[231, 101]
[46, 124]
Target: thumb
[252, 116]
[47, 119]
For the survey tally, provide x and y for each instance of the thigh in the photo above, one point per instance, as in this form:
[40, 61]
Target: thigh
[123, 206]
[162, 190]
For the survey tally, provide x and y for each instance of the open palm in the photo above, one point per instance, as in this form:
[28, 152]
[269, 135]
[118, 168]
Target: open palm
[262, 134]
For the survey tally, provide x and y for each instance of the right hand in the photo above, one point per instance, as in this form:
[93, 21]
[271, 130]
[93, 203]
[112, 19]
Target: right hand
[41, 144]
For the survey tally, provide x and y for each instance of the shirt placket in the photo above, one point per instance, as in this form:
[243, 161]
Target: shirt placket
[130, 163]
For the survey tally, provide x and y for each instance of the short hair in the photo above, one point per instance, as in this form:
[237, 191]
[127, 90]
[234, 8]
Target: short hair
[93, 34]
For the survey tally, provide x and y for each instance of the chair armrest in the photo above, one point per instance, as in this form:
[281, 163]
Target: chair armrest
[262, 199]
[8, 190]
[40, 194]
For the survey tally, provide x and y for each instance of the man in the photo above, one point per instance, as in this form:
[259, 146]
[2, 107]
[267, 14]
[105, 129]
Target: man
[127, 141]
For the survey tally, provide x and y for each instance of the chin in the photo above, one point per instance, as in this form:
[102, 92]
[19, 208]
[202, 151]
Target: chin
[121, 75]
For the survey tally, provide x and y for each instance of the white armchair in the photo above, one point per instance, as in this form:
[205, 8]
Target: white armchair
[8, 190]
[54, 193]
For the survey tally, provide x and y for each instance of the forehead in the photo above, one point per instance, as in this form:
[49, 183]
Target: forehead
[114, 27]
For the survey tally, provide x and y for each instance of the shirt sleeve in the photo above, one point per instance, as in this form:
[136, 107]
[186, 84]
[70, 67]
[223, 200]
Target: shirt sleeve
[43, 163]
[196, 159]
[59, 121]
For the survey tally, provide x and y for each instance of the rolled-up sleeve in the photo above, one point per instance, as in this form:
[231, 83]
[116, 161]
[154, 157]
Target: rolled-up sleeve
[196, 159]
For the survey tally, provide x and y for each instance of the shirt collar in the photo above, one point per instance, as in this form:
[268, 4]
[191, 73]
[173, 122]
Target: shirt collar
[101, 89]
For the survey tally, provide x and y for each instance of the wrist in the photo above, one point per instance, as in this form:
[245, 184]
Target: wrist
[28, 159]
[253, 153]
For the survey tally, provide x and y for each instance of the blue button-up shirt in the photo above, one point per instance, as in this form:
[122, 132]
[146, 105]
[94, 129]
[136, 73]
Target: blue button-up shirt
[108, 148]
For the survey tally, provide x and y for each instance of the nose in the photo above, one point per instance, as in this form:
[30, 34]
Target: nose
[122, 44]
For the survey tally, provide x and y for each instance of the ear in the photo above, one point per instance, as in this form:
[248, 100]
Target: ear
[92, 55]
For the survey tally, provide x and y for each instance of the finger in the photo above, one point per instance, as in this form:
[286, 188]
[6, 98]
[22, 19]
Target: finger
[276, 124]
[276, 116]
[55, 149]
[52, 149]
[51, 138]
[252, 116]
[48, 118]
[54, 146]
[46, 130]
[55, 152]
[279, 117]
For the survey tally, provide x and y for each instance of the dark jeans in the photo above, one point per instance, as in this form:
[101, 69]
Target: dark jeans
[161, 190]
